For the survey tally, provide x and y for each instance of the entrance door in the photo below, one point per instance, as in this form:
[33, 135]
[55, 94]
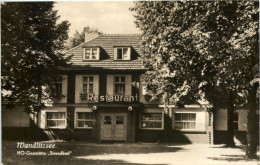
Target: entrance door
[113, 126]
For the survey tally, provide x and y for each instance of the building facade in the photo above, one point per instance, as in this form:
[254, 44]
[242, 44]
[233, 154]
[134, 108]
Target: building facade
[101, 96]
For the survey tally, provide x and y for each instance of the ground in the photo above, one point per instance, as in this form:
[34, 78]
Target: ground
[137, 153]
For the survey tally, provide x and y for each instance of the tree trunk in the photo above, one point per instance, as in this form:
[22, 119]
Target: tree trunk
[230, 127]
[167, 124]
[251, 123]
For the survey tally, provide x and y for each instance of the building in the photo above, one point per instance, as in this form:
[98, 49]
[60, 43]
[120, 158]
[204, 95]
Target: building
[101, 97]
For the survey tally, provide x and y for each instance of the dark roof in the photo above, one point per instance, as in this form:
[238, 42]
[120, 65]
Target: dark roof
[107, 42]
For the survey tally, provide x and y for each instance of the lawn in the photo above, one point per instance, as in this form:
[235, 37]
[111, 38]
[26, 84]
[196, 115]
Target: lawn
[137, 153]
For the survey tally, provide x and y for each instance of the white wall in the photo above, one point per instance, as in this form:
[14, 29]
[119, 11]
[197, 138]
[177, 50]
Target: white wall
[153, 110]
[110, 84]
[221, 119]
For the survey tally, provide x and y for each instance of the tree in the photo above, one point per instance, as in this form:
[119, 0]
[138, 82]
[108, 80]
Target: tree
[245, 44]
[195, 49]
[79, 38]
[236, 41]
[32, 43]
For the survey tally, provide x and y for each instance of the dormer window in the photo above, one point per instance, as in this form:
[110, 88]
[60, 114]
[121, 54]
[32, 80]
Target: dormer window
[122, 53]
[91, 53]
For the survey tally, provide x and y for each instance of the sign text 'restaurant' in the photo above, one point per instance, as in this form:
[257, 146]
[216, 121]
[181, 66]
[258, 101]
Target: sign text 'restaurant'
[112, 98]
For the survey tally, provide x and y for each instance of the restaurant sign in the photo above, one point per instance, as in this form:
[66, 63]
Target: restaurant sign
[109, 98]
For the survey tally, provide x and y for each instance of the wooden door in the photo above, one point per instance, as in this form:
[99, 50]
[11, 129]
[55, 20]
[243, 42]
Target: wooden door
[107, 127]
[113, 126]
[119, 127]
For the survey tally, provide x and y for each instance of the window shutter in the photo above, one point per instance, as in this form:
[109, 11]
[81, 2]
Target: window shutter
[115, 53]
[96, 85]
[129, 54]
[110, 84]
[128, 85]
[144, 89]
[83, 54]
[98, 53]
[42, 117]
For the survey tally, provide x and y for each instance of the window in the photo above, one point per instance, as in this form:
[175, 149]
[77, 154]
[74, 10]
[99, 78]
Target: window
[91, 54]
[57, 86]
[119, 85]
[152, 120]
[107, 120]
[122, 53]
[235, 121]
[84, 120]
[119, 119]
[87, 84]
[184, 121]
[56, 119]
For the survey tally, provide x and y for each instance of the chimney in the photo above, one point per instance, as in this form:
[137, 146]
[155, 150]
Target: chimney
[90, 36]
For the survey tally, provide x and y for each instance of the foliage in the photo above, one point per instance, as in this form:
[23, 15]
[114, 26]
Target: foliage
[31, 51]
[193, 45]
[197, 40]
[201, 50]
[165, 37]
[79, 38]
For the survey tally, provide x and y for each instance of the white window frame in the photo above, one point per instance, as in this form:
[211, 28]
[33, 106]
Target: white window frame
[162, 121]
[87, 83]
[184, 121]
[120, 83]
[124, 57]
[84, 110]
[55, 111]
[91, 56]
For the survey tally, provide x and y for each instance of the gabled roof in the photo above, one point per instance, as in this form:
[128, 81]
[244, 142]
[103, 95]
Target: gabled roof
[106, 43]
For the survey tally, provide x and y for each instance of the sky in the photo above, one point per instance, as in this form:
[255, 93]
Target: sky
[111, 17]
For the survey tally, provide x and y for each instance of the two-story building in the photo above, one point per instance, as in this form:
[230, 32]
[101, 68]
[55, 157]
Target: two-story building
[99, 92]
[101, 97]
